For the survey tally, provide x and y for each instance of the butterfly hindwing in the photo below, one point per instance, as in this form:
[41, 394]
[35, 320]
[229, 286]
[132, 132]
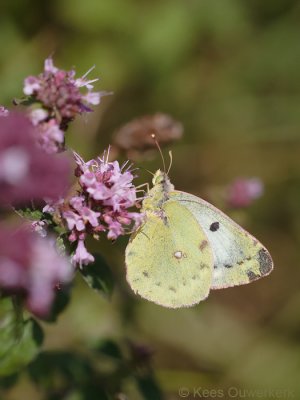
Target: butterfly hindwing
[238, 257]
[169, 260]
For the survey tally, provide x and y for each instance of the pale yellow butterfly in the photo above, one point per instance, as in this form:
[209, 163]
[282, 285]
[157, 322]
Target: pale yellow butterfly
[186, 247]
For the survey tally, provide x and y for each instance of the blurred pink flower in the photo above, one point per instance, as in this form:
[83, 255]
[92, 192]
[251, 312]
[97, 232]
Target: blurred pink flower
[38, 115]
[31, 266]
[3, 112]
[26, 172]
[40, 227]
[243, 191]
[49, 136]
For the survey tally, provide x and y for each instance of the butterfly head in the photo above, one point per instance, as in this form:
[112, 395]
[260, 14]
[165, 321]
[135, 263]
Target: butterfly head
[161, 179]
[159, 192]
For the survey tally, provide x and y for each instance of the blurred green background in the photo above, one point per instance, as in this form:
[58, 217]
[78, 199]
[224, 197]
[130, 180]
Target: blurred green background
[229, 71]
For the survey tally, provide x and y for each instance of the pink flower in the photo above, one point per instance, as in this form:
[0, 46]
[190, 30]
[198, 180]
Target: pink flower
[110, 190]
[59, 92]
[81, 216]
[74, 221]
[31, 85]
[82, 256]
[93, 97]
[31, 266]
[242, 192]
[52, 205]
[49, 136]
[102, 204]
[26, 172]
[82, 82]
[38, 115]
[40, 227]
[115, 228]
[49, 66]
[107, 182]
[3, 112]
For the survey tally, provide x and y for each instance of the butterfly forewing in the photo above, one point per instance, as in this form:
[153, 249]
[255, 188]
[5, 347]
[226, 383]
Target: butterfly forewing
[238, 257]
[169, 260]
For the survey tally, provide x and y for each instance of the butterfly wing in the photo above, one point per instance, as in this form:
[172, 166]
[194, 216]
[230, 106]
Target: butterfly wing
[169, 260]
[238, 257]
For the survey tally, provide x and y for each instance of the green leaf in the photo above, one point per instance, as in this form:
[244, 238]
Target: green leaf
[34, 215]
[149, 388]
[57, 370]
[62, 299]
[11, 323]
[60, 244]
[19, 345]
[95, 392]
[99, 276]
[7, 382]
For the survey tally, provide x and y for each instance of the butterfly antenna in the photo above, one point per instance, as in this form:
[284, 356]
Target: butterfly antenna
[159, 149]
[171, 161]
[147, 170]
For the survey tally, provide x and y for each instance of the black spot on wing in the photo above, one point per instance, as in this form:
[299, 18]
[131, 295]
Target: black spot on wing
[265, 262]
[214, 226]
[227, 266]
[252, 276]
[145, 273]
[172, 289]
[165, 220]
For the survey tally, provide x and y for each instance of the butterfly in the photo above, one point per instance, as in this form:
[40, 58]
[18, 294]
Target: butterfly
[186, 247]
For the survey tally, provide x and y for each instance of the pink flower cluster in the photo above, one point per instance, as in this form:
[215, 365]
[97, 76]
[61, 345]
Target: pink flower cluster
[57, 100]
[101, 205]
[3, 112]
[31, 266]
[242, 192]
[27, 173]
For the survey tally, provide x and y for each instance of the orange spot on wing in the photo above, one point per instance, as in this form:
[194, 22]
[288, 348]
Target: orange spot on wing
[203, 244]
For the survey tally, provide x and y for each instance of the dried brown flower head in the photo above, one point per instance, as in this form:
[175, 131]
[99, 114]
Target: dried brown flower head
[134, 138]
